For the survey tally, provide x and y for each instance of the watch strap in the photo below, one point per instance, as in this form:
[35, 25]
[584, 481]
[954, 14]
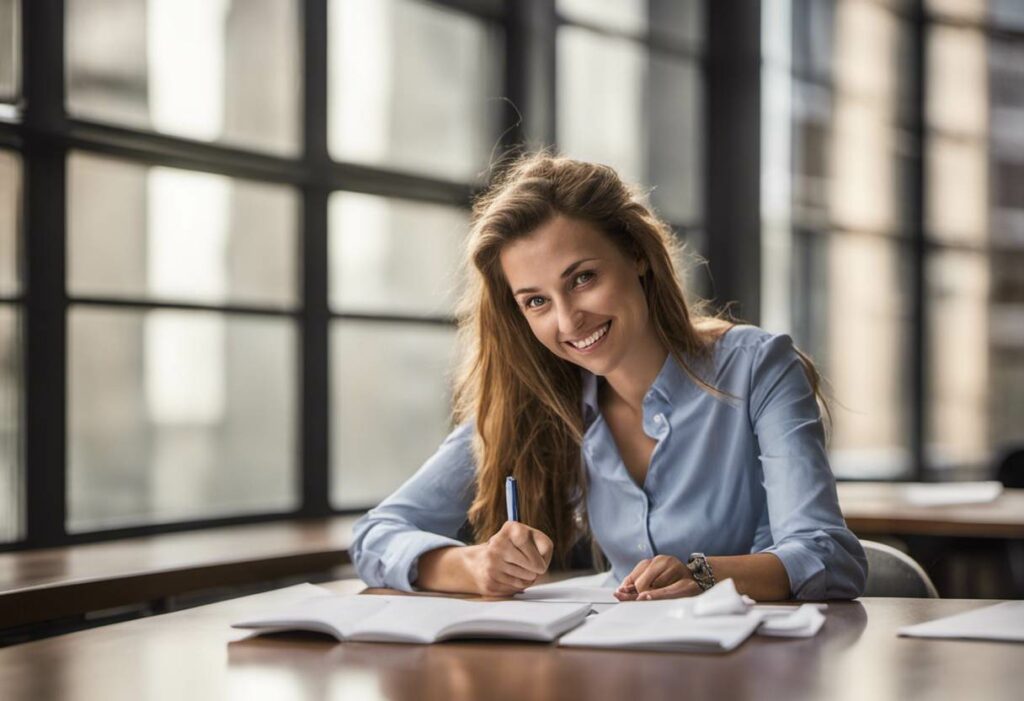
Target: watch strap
[700, 568]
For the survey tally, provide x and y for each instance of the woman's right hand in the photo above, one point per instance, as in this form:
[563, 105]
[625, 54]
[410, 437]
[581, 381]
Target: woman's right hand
[511, 560]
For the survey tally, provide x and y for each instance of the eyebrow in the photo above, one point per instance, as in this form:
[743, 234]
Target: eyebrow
[565, 273]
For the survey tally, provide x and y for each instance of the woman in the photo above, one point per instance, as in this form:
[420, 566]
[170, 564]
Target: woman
[662, 435]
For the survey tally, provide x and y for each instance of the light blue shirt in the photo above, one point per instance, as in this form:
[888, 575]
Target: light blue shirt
[727, 477]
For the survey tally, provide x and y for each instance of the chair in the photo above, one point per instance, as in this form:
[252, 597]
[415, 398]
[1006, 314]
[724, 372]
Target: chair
[1010, 468]
[1010, 471]
[894, 573]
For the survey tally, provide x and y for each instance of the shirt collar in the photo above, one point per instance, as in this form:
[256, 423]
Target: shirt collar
[669, 383]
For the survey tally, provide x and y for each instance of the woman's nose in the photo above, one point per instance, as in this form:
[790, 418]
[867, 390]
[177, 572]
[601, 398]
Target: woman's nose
[570, 320]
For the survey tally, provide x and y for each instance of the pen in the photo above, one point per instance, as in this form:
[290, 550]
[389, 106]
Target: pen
[512, 498]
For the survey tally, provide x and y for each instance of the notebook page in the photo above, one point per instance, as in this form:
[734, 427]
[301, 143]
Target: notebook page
[412, 619]
[426, 619]
[526, 620]
[327, 613]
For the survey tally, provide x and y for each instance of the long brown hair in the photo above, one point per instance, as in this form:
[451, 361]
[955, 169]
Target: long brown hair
[525, 400]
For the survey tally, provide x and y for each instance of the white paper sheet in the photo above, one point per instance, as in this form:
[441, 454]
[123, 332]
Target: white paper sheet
[664, 625]
[1003, 622]
[948, 493]
[589, 589]
[803, 622]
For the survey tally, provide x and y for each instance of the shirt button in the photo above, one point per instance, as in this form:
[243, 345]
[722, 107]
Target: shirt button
[658, 418]
[639, 546]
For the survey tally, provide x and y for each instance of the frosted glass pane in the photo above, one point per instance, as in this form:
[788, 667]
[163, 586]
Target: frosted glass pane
[10, 50]
[851, 313]
[676, 164]
[628, 16]
[389, 405]
[12, 470]
[176, 415]
[394, 256]
[959, 362]
[210, 70]
[10, 222]
[587, 64]
[179, 235]
[414, 87]
[678, 20]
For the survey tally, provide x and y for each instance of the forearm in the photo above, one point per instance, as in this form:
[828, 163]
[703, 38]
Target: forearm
[446, 570]
[760, 576]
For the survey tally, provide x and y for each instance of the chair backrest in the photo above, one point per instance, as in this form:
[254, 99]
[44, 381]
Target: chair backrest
[892, 572]
[1010, 469]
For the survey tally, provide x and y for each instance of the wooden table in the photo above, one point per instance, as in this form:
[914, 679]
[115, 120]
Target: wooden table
[47, 584]
[879, 508]
[194, 655]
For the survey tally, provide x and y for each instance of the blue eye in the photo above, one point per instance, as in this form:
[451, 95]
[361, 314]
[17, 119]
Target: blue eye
[582, 278]
[533, 302]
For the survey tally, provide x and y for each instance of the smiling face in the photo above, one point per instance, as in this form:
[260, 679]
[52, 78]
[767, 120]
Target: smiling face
[580, 295]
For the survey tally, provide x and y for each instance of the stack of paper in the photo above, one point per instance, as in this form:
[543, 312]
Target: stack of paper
[716, 621]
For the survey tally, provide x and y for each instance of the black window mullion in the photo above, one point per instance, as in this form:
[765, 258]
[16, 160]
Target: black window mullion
[916, 216]
[530, 72]
[45, 363]
[732, 157]
[314, 372]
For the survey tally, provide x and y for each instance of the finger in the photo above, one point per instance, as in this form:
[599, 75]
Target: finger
[522, 538]
[519, 572]
[506, 550]
[510, 582]
[672, 591]
[544, 546]
[630, 581]
[670, 574]
[625, 595]
[644, 581]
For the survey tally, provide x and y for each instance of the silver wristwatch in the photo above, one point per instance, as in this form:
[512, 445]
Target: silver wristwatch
[701, 570]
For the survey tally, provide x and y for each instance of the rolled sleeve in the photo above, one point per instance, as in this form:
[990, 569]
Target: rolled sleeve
[822, 558]
[423, 514]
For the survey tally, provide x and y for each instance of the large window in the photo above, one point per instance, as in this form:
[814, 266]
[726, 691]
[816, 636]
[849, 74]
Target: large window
[244, 249]
[974, 230]
[246, 259]
[886, 270]
[232, 262]
[178, 414]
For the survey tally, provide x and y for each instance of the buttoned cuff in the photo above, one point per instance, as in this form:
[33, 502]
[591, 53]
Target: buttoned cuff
[401, 560]
[806, 571]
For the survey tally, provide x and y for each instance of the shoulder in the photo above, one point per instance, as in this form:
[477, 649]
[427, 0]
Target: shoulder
[752, 340]
[745, 356]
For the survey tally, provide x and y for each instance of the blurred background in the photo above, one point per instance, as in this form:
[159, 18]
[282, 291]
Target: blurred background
[230, 230]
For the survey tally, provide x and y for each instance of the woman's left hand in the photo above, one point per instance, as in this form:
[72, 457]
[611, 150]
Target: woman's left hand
[661, 577]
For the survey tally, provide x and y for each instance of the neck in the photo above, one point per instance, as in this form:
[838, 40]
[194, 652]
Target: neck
[629, 382]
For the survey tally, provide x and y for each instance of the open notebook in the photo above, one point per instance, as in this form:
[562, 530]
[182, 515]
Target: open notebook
[419, 619]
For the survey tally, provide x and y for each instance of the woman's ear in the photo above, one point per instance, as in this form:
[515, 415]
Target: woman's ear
[641, 266]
